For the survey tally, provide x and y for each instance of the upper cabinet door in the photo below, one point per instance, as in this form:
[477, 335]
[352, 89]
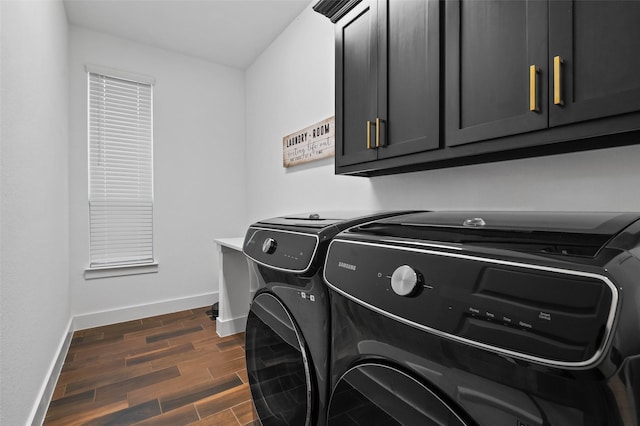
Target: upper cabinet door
[356, 84]
[490, 88]
[597, 70]
[409, 65]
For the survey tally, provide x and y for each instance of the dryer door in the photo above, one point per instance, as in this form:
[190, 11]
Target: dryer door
[277, 364]
[376, 394]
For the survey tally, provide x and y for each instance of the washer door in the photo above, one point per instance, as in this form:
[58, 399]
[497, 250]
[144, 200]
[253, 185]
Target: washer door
[277, 364]
[375, 394]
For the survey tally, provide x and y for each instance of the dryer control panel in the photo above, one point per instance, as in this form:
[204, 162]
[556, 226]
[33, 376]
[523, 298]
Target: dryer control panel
[284, 250]
[545, 315]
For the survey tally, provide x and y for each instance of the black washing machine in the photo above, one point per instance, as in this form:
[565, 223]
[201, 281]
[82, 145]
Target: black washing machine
[287, 332]
[486, 318]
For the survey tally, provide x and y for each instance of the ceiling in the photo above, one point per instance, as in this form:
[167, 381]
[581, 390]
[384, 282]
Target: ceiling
[228, 32]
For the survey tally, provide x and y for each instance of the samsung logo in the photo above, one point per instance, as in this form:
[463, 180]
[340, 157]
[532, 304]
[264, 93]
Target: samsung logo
[347, 266]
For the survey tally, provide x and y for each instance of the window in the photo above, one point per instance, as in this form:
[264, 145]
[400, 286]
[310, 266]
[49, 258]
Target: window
[120, 169]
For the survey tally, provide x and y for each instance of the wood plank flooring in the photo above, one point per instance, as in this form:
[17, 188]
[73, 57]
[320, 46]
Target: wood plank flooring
[165, 370]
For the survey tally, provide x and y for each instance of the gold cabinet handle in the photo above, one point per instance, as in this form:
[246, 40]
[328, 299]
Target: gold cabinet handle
[377, 132]
[533, 91]
[557, 81]
[368, 134]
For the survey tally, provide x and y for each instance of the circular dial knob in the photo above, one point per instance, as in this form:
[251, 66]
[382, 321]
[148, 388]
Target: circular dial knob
[269, 245]
[405, 280]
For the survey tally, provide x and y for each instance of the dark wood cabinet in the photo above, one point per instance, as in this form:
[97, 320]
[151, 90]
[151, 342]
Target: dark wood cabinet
[519, 79]
[490, 48]
[597, 46]
[515, 67]
[356, 84]
[387, 80]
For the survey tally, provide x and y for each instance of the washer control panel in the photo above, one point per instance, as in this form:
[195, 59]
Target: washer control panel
[546, 315]
[285, 250]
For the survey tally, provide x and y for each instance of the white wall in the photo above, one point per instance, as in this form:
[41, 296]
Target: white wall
[199, 176]
[34, 249]
[290, 86]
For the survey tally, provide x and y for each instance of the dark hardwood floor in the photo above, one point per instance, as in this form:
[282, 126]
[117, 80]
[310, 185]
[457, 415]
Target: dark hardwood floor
[165, 370]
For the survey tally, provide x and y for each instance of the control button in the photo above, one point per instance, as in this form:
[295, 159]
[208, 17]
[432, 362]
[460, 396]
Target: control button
[525, 324]
[269, 245]
[405, 280]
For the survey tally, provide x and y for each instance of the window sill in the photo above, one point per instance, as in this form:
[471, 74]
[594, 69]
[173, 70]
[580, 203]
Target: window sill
[118, 271]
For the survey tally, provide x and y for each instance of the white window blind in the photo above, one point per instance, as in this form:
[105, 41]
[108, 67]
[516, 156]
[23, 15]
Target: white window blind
[120, 171]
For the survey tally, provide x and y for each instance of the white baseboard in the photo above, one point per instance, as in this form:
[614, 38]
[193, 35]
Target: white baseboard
[40, 410]
[97, 319]
[114, 316]
[230, 326]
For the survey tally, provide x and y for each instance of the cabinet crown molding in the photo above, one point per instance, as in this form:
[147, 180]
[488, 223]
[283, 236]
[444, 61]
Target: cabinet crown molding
[334, 9]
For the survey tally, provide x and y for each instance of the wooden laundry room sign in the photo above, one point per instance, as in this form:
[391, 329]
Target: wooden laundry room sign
[309, 144]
